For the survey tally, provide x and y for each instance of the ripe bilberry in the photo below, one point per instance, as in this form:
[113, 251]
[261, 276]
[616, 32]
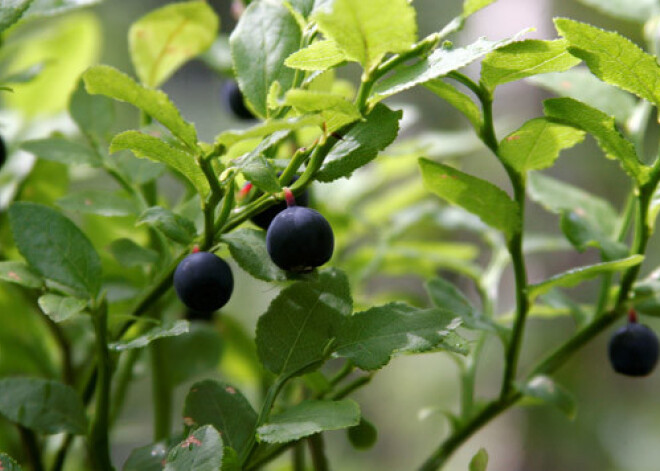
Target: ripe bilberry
[203, 281]
[633, 349]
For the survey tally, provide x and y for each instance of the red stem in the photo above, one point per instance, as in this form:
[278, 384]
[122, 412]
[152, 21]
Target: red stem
[290, 199]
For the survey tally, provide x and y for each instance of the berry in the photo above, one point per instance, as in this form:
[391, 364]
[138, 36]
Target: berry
[299, 239]
[203, 282]
[363, 436]
[234, 101]
[265, 217]
[633, 350]
[3, 152]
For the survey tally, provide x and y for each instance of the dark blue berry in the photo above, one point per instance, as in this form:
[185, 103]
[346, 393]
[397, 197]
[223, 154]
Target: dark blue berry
[299, 239]
[633, 350]
[3, 152]
[203, 281]
[265, 217]
[233, 99]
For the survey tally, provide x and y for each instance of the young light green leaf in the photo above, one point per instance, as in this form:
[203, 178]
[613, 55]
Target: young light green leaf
[176, 227]
[225, 408]
[335, 110]
[7, 463]
[603, 128]
[12, 11]
[94, 114]
[361, 144]
[60, 308]
[258, 171]
[634, 10]
[62, 253]
[301, 321]
[62, 150]
[321, 55]
[42, 405]
[129, 254]
[470, 7]
[108, 81]
[613, 58]
[477, 196]
[229, 138]
[457, 99]
[479, 461]
[544, 389]
[150, 147]
[524, 59]
[370, 338]
[202, 450]
[581, 85]
[369, 29]
[578, 275]
[265, 36]
[167, 329]
[308, 418]
[248, 249]
[99, 202]
[21, 274]
[537, 144]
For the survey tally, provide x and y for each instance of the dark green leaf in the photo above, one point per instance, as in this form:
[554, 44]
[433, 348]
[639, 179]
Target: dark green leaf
[193, 354]
[98, 202]
[94, 114]
[11, 12]
[248, 248]
[582, 234]
[148, 458]
[544, 389]
[176, 227]
[130, 254]
[258, 171]
[63, 150]
[479, 461]
[201, 451]
[21, 274]
[168, 329]
[60, 308]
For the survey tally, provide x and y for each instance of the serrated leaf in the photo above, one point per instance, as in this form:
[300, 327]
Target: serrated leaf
[634, 10]
[7, 463]
[248, 249]
[130, 254]
[229, 138]
[335, 110]
[258, 171]
[167, 329]
[369, 29]
[42, 405]
[603, 128]
[225, 408]
[295, 331]
[308, 418]
[370, 338]
[537, 144]
[99, 202]
[457, 99]
[470, 7]
[613, 58]
[176, 227]
[21, 274]
[63, 150]
[578, 275]
[60, 308]
[150, 147]
[544, 389]
[12, 11]
[581, 85]
[361, 144]
[202, 450]
[94, 114]
[164, 39]
[479, 461]
[265, 36]
[108, 81]
[321, 55]
[477, 196]
[62, 253]
[524, 59]
[439, 63]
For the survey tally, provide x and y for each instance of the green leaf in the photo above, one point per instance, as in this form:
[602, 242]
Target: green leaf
[108, 81]
[537, 144]
[11, 12]
[129, 254]
[603, 128]
[477, 196]
[150, 147]
[439, 63]
[581, 85]
[7, 463]
[176, 227]
[371, 337]
[94, 114]
[265, 36]
[258, 171]
[301, 321]
[57, 7]
[578, 275]
[335, 110]
[167, 329]
[62, 253]
[544, 389]
[321, 55]
[164, 39]
[100, 202]
[479, 461]
[229, 138]
[42, 405]
[457, 99]
[470, 7]
[613, 58]
[248, 249]
[361, 144]
[225, 408]
[150, 457]
[308, 418]
[21, 274]
[582, 234]
[369, 29]
[633, 10]
[524, 59]
[60, 308]
[201, 451]
[193, 354]
[63, 150]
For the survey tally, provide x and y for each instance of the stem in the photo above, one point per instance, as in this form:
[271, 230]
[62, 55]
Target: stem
[161, 393]
[122, 381]
[317, 452]
[32, 450]
[60, 458]
[298, 457]
[351, 387]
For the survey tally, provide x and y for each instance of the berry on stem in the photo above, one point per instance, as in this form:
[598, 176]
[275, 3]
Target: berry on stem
[633, 349]
[265, 217]
[203, 281]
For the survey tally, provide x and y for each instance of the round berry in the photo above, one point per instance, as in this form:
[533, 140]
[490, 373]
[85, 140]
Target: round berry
[233, 99]
[203, 281]
[299, 239]
[265, 217]
[3, 152]
[633, 350]
[363, 435]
